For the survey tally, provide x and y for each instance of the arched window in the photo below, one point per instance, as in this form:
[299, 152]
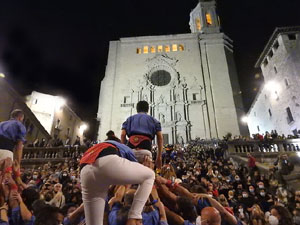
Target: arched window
[138, 51]
[208, 19]
[159, 48]
[167, 48]
[198, 24]
[153, 49]
[146, 49]
[181, 48]
[174, 48]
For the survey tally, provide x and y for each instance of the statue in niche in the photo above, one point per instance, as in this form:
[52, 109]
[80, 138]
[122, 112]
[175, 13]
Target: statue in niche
[145, 98]
[177, 97]
[161, 99]
[184, 84]
[179, 139]
[178, 116]
[162, 118]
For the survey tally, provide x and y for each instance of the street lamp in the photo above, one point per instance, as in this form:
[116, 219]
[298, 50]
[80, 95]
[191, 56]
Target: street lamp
[2, 75]
[244, 119]
[83, 128]
[59, 103]
[273, 87]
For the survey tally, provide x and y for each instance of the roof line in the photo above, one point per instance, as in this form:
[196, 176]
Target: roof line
[274, 36]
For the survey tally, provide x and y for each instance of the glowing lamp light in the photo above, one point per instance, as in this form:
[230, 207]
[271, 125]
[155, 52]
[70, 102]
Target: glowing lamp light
[274, 88]
[60, 102]
[298, 154]
[83, 128]
[2, 75]
[244, 119]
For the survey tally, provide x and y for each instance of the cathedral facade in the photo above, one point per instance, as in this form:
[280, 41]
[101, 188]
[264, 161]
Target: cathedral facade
[189, 81]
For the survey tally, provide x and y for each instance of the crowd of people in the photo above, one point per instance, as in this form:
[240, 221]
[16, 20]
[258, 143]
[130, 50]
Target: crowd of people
[196, 183]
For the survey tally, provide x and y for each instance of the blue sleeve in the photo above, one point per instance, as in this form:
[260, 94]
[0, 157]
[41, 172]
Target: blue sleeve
[127, 153]
[163, 222]
[124, 125]
[3, 222]
[157, 126]
[16, 215]
[30, 222]
[21, 132]
[202, 204]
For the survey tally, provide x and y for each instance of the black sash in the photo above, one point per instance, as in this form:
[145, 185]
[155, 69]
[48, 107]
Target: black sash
[6, 143]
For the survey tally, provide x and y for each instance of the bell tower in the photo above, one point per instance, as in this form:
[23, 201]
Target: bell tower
[204, 18]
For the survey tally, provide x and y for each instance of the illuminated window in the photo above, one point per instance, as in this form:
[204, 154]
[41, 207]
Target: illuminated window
[198, 24]
[138, 51]
[174, 48]
[181, 48]
[159, 48]
[146, 49]
[208, 19]
[167, 48]
[152, 49]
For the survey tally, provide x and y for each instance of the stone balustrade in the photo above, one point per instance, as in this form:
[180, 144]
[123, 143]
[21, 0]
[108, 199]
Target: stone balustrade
[36, 156]
[256, 146]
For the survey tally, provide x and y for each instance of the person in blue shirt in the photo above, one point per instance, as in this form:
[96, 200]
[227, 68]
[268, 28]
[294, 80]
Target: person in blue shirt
[141, 129]
[12, 136]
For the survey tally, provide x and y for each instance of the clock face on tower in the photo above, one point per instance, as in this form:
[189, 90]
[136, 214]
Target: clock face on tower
[160, 78]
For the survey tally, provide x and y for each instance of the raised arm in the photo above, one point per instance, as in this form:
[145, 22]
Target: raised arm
[160, 142]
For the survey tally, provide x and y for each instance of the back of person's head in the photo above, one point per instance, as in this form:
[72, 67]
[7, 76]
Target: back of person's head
[16, 113]
[198, 189]
[110, 133]
[128, 198]
[122, 215]
[211, 216]
[142, 106]
[38, 205]
[187, 209]
[29, 195]
[49, 215]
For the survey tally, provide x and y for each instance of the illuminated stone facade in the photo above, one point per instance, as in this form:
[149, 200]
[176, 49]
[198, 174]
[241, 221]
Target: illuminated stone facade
[10, 100]
[277, 105]
[57, 118]
[189, 81]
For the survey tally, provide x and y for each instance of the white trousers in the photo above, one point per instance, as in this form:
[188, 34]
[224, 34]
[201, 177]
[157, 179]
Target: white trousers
[6, 154]
[108, 170]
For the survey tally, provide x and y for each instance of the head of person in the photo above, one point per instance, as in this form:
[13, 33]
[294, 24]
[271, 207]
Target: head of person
[29, 195]
[142, 106]
[49, 215]
[280, 216]
[17, 114]
[187, 209]
[57, 187]
[210, 216]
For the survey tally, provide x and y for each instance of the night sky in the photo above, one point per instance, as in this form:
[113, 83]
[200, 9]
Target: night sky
[60, 47]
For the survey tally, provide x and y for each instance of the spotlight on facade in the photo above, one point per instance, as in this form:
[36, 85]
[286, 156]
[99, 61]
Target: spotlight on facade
[274, 88]
[2, 75]
[83, 128]
[60, 102]
[244, 119]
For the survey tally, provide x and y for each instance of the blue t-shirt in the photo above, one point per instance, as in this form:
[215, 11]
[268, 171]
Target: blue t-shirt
[14, 130]
[142, 124]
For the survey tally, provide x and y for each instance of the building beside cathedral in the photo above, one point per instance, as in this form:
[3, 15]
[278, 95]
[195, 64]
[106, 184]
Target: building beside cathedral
[189, 80]
[277, 105]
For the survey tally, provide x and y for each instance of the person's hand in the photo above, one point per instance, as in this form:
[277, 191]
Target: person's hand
[16, 196]
[112, 201]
